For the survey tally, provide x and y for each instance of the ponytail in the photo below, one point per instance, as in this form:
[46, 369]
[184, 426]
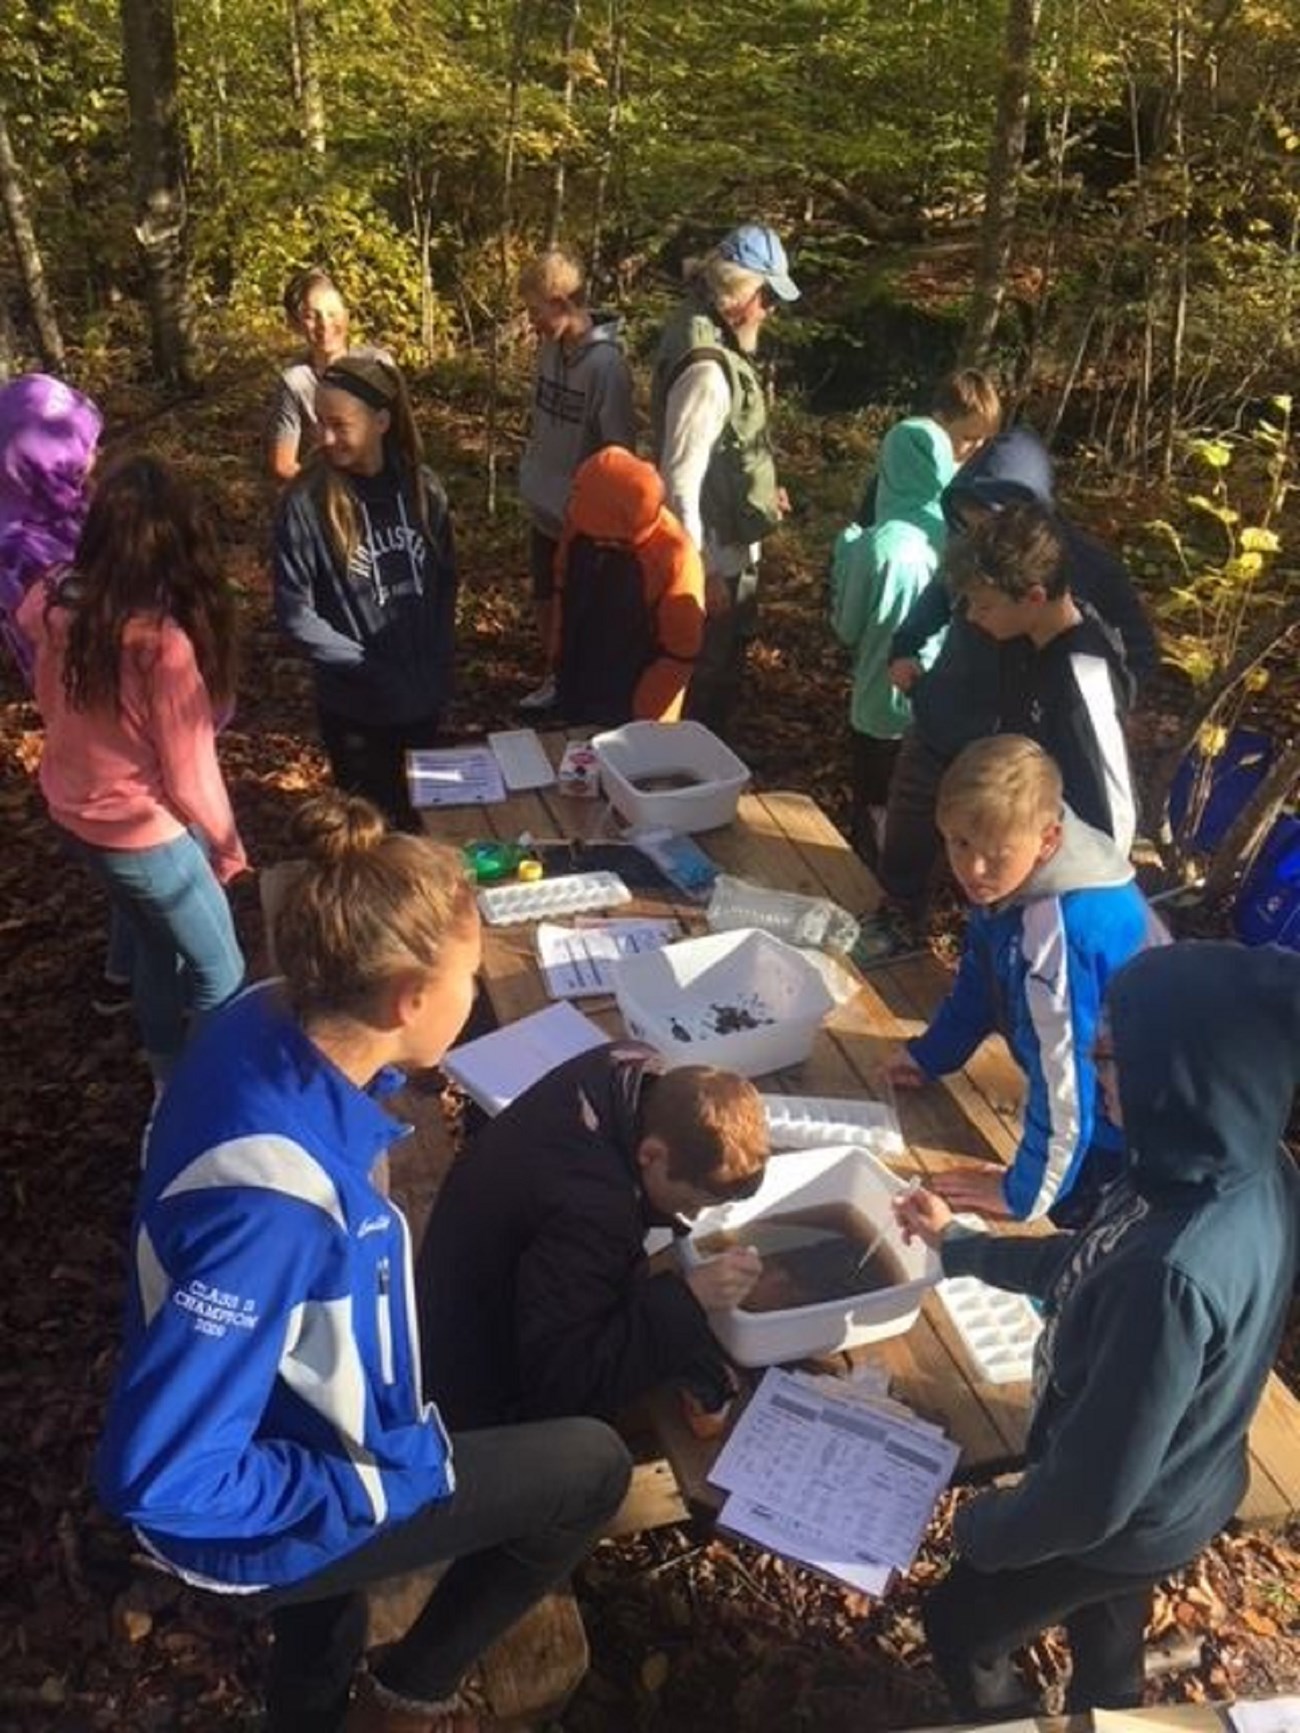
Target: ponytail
[366, 904]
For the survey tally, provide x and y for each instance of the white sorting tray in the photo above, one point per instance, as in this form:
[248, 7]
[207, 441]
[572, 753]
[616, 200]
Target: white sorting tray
[814, 1121]
[566, 895]
[522, 758]
[998, 1329]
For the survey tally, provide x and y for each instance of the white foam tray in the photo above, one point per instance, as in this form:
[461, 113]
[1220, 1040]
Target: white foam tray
[998, 1329]
[522, 758]
[813, 1121]
[571, 893]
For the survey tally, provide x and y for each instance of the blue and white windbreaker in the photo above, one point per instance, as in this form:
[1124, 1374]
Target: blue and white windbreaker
[1035, 970]
[268, 1415]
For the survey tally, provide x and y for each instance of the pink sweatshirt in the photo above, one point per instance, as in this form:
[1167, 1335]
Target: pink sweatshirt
[137, 777]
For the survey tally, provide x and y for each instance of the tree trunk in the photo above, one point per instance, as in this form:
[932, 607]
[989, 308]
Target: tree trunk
[158, 172]
[8, 347]
[49, 339]
[1178, 304]
[505, 230]
[304, 25]
[572, 12]
[605, 170]
[1002, 180]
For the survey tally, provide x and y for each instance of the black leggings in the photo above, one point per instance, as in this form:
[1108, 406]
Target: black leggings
[369, 758]
[913, 848]
[529, 1502]
[975, 1620]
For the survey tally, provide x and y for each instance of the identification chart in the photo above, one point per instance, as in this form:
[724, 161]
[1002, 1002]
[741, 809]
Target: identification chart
[852, 1484]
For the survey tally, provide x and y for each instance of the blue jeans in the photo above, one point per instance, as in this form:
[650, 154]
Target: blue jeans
[184, 957]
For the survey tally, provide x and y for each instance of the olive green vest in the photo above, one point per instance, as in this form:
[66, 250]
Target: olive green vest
[738, 501]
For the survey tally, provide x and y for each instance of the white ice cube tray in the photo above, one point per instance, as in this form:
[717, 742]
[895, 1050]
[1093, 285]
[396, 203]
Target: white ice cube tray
[569, 894]
[813, 1121]
[522, 758]
[998, 1329]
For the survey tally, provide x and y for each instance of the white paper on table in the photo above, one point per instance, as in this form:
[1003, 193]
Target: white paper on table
[496, 1068]
[455, 776]
[848, 1475]
[575, 961]
[784, 1535]
[1271, 1715]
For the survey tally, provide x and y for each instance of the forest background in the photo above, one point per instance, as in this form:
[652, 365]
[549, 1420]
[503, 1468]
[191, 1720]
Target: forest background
[1100, 199]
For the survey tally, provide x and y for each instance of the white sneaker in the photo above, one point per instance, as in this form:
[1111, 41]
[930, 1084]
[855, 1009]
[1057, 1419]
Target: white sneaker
[542, 698]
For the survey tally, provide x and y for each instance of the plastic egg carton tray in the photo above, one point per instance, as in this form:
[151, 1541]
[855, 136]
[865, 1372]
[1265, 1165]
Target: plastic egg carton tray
[998, 1329]
[815, 1121]
[570, 894]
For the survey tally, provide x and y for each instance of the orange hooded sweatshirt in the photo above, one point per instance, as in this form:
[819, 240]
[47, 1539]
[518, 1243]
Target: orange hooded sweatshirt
[617, 502]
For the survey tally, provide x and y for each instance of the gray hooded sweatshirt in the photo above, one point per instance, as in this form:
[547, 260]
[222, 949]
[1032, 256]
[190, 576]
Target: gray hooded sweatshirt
[582, 402]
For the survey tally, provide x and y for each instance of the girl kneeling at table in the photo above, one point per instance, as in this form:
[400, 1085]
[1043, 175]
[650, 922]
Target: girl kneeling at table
[268, 1435]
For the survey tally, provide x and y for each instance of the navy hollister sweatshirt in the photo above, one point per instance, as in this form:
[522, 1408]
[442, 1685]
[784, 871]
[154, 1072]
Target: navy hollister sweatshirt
[1164, 1314]
[380, 632]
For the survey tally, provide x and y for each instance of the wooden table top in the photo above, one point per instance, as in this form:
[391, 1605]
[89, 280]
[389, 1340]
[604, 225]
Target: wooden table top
[784, 841]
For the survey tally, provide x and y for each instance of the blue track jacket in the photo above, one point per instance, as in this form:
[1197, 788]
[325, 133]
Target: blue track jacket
[1034, 969]
[268, 1415]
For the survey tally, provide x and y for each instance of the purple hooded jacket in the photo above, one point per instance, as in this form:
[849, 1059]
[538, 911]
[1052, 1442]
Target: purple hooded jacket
[48, 435]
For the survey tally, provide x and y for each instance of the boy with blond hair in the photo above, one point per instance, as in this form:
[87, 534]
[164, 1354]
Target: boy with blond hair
[582, 401]
[536, 1295]
[1054, 912]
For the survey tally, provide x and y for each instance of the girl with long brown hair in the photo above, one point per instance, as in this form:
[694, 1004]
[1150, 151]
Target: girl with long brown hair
[269, 1435]
[365, 582]
[135, 650]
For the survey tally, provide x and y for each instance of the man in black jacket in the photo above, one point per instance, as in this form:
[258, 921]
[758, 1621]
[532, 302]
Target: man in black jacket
[535, 1292]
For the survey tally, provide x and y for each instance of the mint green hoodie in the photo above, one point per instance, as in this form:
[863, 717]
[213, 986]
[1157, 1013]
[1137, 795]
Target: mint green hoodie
[878, 573]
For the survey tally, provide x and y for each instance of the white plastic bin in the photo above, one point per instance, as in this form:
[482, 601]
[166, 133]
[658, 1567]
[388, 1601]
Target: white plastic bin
[639, 750]
[800, 1180]
[740, 1000]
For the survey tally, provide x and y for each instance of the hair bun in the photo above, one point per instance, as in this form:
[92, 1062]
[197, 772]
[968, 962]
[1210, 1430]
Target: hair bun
[331, 827]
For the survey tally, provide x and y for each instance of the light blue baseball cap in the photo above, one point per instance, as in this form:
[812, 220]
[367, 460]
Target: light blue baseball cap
[759, 249]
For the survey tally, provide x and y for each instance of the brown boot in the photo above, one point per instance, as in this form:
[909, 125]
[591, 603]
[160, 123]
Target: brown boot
[376, 1710]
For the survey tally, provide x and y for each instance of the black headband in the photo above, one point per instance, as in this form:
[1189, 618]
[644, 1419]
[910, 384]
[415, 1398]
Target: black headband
[344, 379]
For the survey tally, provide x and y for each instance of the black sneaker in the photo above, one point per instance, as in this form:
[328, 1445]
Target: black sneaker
[111, 997]
[887, 937]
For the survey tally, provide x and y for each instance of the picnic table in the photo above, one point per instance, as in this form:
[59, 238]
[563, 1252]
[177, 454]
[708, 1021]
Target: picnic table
[783, 840]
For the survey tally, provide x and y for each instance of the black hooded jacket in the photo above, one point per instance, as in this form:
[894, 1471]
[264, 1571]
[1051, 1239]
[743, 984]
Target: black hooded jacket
[1164, 1314]
[960, 698]
[535, 1294]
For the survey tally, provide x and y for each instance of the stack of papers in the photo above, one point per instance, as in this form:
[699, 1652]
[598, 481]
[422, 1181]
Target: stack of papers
[496, 1068]
[460, 776]
[841, 1482]
[575, 961]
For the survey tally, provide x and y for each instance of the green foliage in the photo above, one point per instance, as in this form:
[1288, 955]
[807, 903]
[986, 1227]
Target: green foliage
[1228, 549]
[843, 121]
